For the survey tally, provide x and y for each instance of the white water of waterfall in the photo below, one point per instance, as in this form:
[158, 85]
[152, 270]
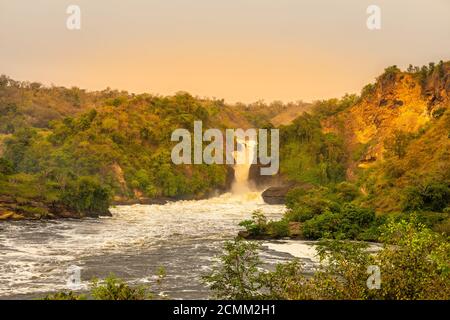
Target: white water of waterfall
[244, 156]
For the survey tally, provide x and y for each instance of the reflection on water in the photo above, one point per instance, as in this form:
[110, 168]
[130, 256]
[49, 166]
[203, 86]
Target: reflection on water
[182, 236]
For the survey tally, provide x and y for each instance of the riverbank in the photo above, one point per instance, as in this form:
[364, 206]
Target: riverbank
[12, 209]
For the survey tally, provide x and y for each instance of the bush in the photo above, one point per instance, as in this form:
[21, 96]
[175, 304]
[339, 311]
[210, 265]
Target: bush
[300, 214]
[347, 191]
[278, 229]
[237, 275]
[390, 72]
[114, 288]
[414, 262]
[87, 195]
[367, 90]
[257, 225]
[70, 295]
[6, 167]
[349, 223]
[428, 196]
[397, 144]
[321, 226]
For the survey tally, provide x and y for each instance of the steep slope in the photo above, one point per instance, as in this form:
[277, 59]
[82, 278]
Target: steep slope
[398, 102]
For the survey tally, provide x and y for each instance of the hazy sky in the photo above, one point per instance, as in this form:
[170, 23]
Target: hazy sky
[240, 50]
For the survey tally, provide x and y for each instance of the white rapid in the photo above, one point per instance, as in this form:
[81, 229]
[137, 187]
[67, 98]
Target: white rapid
[181, 236]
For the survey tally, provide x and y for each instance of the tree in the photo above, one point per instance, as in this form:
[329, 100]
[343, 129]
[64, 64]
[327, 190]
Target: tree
[6, 167]
[397, 144]
[236, 276]
[414, 262]
[87, 195]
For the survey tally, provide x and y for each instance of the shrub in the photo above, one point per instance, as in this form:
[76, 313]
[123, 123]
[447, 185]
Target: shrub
[236, 276]
[390, 72]
[347, 191]
[349, 223]
[431, 196]
[278, 229]
[257, 225]
[321, 226]
[6, 167]
[367, 90]
[414, 262]
[87, 195]
[396, 145]
[70, 295]
[114, 288]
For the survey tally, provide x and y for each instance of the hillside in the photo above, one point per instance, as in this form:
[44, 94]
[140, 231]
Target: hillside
[351, 162]
[69, 152]
[32, 104]
[398, 101]
[119, 151]
[399, 130]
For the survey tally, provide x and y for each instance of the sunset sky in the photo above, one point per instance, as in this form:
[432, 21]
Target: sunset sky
[239, 50]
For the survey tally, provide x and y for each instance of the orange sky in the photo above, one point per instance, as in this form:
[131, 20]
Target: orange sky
[240, 50]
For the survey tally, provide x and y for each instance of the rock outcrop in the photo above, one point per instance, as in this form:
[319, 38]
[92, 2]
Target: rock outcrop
[277, 194]
[14, 209]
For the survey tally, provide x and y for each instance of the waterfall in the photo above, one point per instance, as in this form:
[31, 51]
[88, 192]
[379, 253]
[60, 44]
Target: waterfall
[244, 155]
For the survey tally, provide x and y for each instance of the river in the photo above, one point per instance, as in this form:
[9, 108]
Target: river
[183, 237]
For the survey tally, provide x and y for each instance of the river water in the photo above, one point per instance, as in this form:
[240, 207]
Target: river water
[183, 237]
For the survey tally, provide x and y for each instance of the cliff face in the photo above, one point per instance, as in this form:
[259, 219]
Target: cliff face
[397, 102]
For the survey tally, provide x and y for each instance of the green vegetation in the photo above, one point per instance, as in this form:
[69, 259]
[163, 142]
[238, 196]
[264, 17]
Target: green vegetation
[69, 149]
[69, 295]
[258, 226]
[413, 264]
[398, 143]
[25, 104]
[309, 155]
[358, 179]
[321, 213]
[116, 289]
[119, 150]
[111, 288]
